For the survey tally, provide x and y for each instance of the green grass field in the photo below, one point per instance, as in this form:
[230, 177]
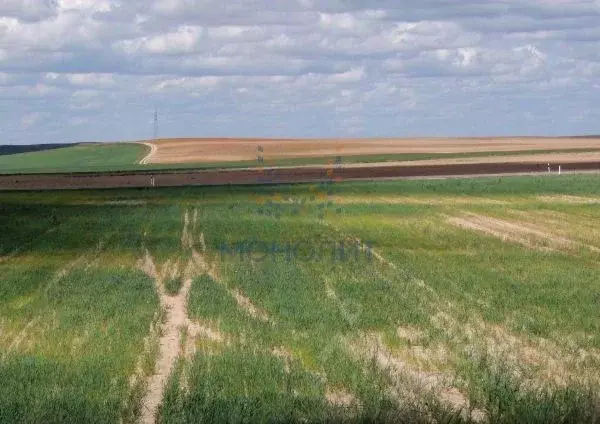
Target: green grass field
[126, 157]
[75, 158]
[459, 300]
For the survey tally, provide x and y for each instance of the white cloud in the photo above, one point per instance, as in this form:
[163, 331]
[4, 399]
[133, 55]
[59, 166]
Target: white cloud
[351, 76]
[93, 80]
[78, 5]
[186, 84]
[181, 41]
[343, 21]
[28, 10]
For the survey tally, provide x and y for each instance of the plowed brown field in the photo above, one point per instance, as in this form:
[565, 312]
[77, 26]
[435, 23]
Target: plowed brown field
[197, 150]
[273, 175]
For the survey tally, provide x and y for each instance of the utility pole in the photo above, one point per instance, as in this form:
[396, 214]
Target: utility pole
[155, 134]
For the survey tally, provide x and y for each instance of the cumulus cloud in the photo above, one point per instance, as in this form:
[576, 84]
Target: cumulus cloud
[29, 10]
[95, 69]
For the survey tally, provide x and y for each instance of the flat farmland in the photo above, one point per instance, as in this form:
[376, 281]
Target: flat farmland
[72, 158]
[400, 301]
[169, 154]
[172, 151]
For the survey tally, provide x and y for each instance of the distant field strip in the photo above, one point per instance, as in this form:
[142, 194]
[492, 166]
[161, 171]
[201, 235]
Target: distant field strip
[210, 154]
[463, 301]
[73, 158]
[208, 150]
[274, 176]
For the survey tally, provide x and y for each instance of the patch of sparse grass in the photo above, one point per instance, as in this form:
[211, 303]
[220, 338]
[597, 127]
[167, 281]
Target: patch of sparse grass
[173, 285]
[509, 400]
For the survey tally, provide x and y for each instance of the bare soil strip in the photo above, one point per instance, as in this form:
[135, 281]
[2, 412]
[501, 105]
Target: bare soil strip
[176, 323]
[349, 314]
[246, 304]
[574, 200]
[178, 333]
[410, 384]
[63, 272]
[544, 360]
[335, 396]
[376, 255]
[175, 317]
[526, 235]
[423, 200]
[340, 397]
[276, 175]
[21, 336]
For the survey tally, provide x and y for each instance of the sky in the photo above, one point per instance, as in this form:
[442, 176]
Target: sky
[95, 70]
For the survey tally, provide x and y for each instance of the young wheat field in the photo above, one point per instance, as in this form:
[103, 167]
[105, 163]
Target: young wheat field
[444, 301]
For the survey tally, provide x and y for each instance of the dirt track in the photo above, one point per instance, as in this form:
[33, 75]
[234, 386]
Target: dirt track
[273, 176]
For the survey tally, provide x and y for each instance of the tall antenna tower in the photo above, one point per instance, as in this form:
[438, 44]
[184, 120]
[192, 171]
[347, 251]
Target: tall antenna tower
[155, 134]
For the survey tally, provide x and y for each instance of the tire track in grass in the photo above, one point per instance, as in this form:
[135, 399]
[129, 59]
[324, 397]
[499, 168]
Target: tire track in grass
[175, 320]
[200, 260]
[200, 264]
[246, 304]
[363, 247]
[371, 347]
[520, 351]
[21, 336]
[538, 361]
[410, 385]
[175, 310]
[22, 247]
[178, 333]
[335, 396]
[58, 275]
[516, 232]
[64, 271]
